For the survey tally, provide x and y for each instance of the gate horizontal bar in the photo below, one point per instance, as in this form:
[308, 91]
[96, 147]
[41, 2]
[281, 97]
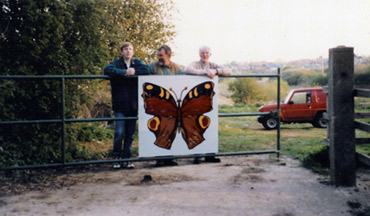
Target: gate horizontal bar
[66, 120]
[362, 93]
[362, 140]
[115, 119]
[252, 75]
[137, 159]
[242, 114]
[362, 158]
[56, 77]
[362, 126]
[108, 77]
[362, 115]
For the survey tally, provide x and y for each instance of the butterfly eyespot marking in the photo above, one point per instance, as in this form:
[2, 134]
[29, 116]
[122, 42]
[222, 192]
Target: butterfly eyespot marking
[153, 123]
[149, 87]
[207, 86]
[204, 122]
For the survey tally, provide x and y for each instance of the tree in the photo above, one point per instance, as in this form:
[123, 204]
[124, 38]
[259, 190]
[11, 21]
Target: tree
[48, 37]
[144, 23]
[252, 90]
[246, 90]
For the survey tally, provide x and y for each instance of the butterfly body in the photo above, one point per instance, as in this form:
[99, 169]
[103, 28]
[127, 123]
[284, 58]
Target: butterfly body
[172, 116]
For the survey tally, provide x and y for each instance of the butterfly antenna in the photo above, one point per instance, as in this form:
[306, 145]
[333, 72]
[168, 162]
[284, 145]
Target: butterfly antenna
[178, 99]
[183, 91]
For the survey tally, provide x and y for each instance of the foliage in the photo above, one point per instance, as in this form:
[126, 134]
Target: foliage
[47, 37]
[304, 78]
[270, 90]
[363, 79]
[144, 23]
[250, 90]
[89, 132]
[319, 80]
[17, 150]
[246, 90]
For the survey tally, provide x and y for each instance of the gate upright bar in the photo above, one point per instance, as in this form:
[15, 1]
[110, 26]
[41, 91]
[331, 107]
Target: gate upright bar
[278, 111]
[63, 117]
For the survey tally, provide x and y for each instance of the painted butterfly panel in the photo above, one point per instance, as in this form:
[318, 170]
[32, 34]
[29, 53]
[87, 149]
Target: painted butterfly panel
[173, 116]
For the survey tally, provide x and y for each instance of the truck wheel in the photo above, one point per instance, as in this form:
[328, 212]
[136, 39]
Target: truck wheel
[319, 121]
[270, 123]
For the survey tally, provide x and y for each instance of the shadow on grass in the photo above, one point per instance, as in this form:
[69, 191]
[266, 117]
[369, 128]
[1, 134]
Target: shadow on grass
[318, 161]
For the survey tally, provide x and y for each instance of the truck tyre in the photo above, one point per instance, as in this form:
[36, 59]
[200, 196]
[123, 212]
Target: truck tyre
[319, 121]
[270, 123]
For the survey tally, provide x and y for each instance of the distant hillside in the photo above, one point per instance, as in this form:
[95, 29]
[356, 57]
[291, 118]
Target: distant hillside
[319, 65]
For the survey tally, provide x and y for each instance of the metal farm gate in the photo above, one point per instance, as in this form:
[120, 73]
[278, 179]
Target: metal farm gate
[63, 121]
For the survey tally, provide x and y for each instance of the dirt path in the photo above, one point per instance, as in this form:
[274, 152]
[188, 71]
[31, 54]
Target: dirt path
[243, 185]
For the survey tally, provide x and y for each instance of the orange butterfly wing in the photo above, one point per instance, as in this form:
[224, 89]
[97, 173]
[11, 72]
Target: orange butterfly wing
[198, 101]
[160, 103]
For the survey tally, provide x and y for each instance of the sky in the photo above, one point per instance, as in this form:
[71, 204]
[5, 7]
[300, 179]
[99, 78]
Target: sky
[269, 30]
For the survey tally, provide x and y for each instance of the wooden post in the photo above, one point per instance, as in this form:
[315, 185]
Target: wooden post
[341, 130]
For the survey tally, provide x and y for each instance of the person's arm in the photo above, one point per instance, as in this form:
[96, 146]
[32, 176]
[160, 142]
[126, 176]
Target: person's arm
[222, 70]
[181, 72]
[141, 68]
[113, 70]
[194, 70]
[151, 68]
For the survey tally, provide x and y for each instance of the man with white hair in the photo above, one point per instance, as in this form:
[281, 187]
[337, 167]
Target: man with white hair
[204, 66]
[210, 69]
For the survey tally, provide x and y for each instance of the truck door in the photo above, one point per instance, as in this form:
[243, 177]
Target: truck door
[298, 107]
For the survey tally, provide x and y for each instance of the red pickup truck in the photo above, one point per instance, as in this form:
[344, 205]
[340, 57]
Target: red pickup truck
[301, 105]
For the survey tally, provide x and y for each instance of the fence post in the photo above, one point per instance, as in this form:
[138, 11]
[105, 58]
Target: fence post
[341, 131]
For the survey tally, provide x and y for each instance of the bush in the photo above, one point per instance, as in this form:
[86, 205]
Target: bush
[93, 131]
[304, 78]
[362, 79]
[76, 152]
[270, 89]
[319, 80]
[33, 144]
[246, 91]
[249, 90]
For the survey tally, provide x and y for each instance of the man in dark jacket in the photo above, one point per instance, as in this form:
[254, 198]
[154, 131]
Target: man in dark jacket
[124, 99]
